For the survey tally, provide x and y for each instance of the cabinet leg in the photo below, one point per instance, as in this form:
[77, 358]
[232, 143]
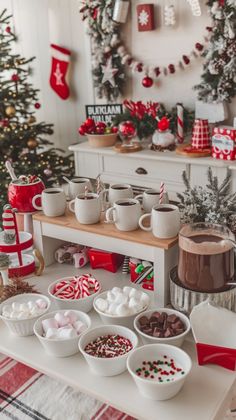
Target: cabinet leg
[164, 260]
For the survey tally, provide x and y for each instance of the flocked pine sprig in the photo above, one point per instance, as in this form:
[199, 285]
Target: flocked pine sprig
[214, 203]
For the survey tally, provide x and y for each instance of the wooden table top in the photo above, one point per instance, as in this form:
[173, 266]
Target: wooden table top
[106, 229]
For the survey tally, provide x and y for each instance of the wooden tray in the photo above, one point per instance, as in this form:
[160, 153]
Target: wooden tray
[180, 150]
[120, 148]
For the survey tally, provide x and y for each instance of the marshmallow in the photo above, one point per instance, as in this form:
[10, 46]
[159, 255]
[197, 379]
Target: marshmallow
[122, 310]
[79, 327]
[51, 333]
[101, 304]
[121, 298]
[16, 306]
[112, 308]
[71, 315]
[116, 290]
[41, 303]
[24, 308]
[49, 323]
[14, 314]
[135, 294]
[127, 290]
[61, 319]
[66, 333]
[30, 304]
[110, 296]
[144, 299]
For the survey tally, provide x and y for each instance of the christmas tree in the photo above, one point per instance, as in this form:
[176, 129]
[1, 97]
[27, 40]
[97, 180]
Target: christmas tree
[23, 140]
[219, 70]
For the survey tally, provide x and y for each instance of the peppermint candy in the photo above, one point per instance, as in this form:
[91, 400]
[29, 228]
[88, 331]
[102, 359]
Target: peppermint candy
[76, 288]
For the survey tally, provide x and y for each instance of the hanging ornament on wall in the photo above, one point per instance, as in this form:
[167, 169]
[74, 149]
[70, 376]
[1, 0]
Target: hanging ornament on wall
[145, 15]
[109, 72]
[120, 11]
[169, 15]
[147, 82]
[10, 111]
[195, 7]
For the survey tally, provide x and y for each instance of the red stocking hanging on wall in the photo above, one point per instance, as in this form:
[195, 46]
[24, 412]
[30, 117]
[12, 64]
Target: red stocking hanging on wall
[59, 71]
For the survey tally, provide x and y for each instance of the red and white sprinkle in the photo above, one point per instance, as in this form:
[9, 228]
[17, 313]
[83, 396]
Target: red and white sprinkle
[109, 346]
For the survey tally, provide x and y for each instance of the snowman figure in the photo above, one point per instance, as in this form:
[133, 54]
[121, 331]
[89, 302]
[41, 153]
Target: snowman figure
[163, 138]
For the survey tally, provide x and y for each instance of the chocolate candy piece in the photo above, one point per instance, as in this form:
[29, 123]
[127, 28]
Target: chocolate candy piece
[161, 325]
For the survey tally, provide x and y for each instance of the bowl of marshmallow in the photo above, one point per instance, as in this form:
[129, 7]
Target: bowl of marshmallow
[21, 311]
[59, 331]
[120, 306]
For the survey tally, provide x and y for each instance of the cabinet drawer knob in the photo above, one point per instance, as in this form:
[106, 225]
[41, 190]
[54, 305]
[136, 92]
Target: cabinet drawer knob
[141, 171]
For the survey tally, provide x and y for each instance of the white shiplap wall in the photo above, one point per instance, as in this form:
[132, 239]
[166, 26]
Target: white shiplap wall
[40, 22]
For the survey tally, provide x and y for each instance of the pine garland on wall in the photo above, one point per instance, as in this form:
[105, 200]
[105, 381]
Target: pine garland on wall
[219, 69]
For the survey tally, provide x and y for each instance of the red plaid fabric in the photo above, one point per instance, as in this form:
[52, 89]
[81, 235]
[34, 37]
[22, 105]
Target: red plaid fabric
[201, 135]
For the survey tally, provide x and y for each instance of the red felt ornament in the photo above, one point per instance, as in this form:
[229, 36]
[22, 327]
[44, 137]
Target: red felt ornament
[95, 13]
[139, 67]
[157, 71]
[199, 46]
[147, 82]
[37, 105]
[171, 68]
[129, 61]
[8, 29]
[163, 124]
[15, 77]
[186, 59]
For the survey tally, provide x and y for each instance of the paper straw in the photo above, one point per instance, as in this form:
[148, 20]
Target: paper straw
[162, 188]
[85, 192]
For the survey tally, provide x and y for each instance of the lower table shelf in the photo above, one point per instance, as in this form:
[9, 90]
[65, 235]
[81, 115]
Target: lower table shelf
[205, 395]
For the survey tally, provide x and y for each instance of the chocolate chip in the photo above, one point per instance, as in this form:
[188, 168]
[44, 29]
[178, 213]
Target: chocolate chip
[143, 320]
[161, 325]
[172, 318]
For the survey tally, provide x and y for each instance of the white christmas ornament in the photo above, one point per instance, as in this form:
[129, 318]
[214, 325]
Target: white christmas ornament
[109, 72]
[169, 15]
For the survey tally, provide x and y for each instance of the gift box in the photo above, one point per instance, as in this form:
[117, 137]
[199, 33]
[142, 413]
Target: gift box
[224, 143]
[214, 331]
[109, 261]
[145, 16]
[136, 267]
[201, 134]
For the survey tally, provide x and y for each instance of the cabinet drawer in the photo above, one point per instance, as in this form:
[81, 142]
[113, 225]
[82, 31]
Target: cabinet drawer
[144, 169]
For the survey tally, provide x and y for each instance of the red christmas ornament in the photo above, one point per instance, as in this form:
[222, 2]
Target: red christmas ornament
[95, 13]
[89, 123]
[171, 68]
[15, 77]
[37, 105]
[114, 129]
[186, 59]
[199, 46]
[100, 130]
[101, 124]
[147, 82]
[127, 130]
[82, 130]
[8, 29]
[163, 124]
[4, 123]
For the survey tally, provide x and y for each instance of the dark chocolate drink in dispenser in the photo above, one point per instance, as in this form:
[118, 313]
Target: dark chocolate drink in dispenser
[206, 260]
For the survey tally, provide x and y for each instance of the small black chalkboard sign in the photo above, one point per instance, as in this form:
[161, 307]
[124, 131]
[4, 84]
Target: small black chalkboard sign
[104, 113]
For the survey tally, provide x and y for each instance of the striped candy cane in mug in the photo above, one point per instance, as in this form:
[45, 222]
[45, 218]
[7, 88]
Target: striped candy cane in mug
[162, 189]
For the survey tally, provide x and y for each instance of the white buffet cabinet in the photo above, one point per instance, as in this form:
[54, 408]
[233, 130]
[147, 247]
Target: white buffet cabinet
[147, 168]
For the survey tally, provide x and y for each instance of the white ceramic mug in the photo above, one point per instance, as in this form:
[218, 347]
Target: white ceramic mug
[164, 221]
[77, 186]
[87, 208]
[53, 202]
[118, 192]
[125, 214]
[151, 198]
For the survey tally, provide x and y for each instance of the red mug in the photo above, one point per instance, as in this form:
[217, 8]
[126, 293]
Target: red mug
[20, 196]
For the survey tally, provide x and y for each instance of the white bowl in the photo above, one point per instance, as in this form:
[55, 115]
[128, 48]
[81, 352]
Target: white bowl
[23, 327]
[174, 341]
[126, 321]
[112, 366]
[54, 346]
[83, 304]
[153, 389]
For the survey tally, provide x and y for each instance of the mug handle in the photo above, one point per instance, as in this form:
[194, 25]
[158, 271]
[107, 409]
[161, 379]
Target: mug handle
[144, 216]
[72, 206]
[34, 203]
[110, 215]
[139, 197]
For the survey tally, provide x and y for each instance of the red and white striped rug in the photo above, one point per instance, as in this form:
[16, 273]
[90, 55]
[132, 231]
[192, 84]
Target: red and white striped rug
[26, 394]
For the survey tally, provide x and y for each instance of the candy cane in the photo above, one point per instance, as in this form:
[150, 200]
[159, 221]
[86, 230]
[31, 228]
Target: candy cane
[162, 188]
[180, 123]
